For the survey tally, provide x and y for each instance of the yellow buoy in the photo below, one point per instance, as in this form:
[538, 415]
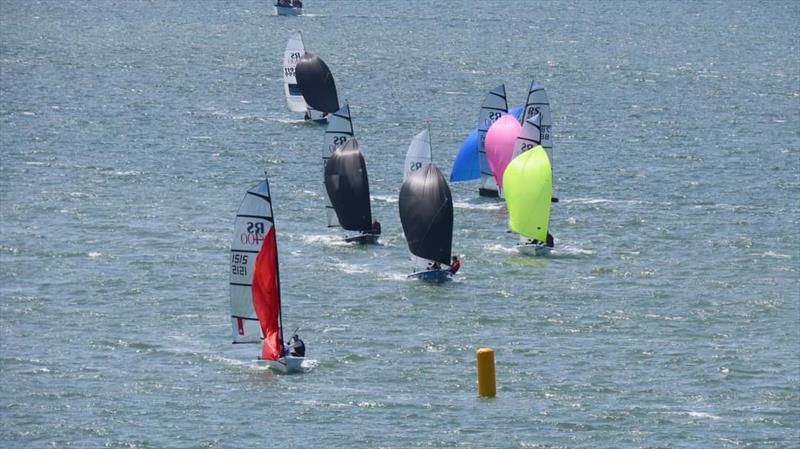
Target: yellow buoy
[486, 380]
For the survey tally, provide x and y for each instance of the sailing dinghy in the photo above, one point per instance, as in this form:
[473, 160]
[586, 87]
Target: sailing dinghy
[255, 282]
[347, 185]
[466, 165]
[294, 97]
[317, 85]
[426, 214]
[289, 8]
[528, 189]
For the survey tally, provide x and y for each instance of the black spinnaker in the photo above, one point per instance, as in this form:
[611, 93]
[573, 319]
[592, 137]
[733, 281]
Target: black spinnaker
[426, 213]
[316, 83]
[348, 187]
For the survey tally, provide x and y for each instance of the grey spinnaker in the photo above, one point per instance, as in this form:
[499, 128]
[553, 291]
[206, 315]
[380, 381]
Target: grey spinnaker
[426, 213]
[316, 83]
[347, 185]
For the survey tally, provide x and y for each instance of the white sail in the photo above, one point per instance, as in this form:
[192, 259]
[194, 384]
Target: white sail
[537, 103]
[339, 131]
[529, 136]
[294, 51]
[419, 153]
[253, 220]
[494, 105]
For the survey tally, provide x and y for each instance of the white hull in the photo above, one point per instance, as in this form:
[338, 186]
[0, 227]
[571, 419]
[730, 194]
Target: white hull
[284, 365]
[288, 11]
[534, 249]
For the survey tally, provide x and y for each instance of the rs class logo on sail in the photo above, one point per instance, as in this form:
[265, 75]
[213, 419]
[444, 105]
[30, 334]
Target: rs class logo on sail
[254, 234]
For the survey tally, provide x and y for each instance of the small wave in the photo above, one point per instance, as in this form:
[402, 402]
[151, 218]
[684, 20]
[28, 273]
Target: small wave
[498, 248]
[94, 254]
[394, 276]
[568, 250]
[703, 415]
[386, 198]
[326, 239]
[479, 206]
[350, 268]
[776, 255]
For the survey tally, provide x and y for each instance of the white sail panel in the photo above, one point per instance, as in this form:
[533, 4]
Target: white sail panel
[252, 222]
[419, 153]
[339, 131]
[294, 51]
[494, 105]
[529, 136]
[538, 103]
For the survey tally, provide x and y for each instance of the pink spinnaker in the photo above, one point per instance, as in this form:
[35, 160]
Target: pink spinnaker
[499, 144]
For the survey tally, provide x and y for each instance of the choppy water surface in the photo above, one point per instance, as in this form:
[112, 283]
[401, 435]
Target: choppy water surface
[667, 316]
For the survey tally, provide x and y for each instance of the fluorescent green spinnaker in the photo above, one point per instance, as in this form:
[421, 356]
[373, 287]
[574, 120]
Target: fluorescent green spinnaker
[528, 185]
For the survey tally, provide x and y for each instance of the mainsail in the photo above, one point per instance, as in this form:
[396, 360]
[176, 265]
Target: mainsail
[254, 279]
[316, 83]
[528, 188]
[494, 105]
[426, 214]
[418, 154]
[348, 187]
[529, 136]
[537, 103]
[340, 129]
[294, 51]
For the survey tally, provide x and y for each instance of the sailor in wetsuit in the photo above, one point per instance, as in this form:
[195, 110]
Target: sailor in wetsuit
[455, 264]
[296, 346]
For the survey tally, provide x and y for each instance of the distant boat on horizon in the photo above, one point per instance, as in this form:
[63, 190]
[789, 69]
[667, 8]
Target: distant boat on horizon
[289, 7]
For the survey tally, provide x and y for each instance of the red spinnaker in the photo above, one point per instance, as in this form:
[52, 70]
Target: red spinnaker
[266, 299]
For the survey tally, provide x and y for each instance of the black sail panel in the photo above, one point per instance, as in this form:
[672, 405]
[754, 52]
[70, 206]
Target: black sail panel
[348, 187]
[426, 213]
[316, 83]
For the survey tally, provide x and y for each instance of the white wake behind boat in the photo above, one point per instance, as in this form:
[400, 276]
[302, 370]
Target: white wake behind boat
[283, 365]
[255, 282]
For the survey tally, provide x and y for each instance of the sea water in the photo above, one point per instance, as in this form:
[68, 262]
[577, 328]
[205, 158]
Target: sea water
[668, 314]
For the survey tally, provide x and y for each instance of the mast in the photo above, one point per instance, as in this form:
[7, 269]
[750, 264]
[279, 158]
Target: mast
[277, 268]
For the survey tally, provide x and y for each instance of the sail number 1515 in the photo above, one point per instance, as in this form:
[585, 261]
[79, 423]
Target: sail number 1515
[239, 264]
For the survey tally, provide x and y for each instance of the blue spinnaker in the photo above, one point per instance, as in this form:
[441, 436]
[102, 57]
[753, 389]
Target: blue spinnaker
[466, 167]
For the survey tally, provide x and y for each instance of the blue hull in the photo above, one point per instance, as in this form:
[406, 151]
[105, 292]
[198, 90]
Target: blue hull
[436, 276]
